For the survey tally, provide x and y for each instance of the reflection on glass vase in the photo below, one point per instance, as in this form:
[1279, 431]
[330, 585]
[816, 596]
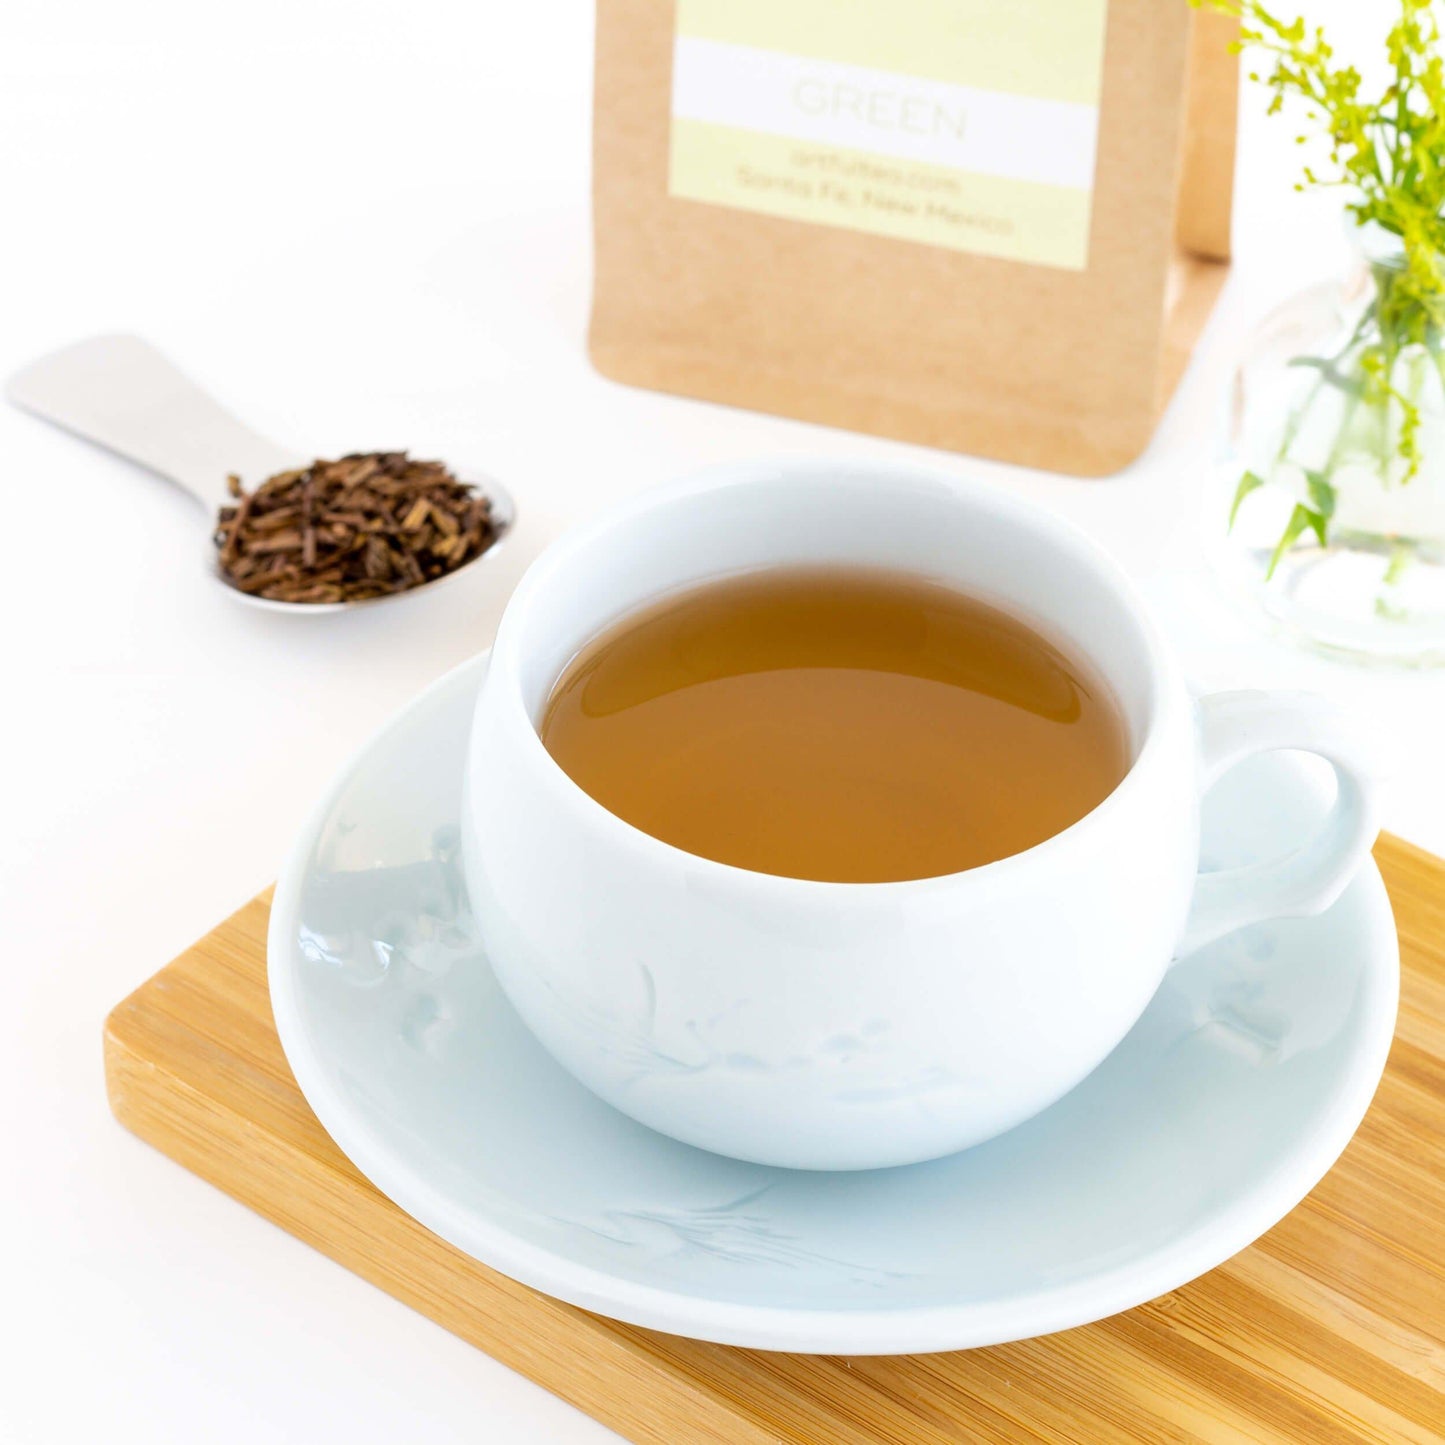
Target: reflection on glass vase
[1330, 513]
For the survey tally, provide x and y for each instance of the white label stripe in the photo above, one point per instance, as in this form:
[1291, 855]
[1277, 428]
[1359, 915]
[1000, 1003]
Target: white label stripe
[987, 132]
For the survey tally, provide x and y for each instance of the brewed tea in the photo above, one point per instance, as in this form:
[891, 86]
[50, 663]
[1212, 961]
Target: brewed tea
[835, 724]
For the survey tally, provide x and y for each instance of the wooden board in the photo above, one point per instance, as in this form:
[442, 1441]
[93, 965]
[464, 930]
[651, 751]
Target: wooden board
[1329, 1329]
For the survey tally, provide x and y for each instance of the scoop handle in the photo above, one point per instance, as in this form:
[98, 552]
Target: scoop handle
[122, 394]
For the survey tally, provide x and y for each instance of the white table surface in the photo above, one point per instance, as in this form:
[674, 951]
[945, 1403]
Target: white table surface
[362, 225]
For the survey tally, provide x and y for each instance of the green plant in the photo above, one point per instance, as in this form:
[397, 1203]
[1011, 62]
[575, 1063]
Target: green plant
[1388, 150]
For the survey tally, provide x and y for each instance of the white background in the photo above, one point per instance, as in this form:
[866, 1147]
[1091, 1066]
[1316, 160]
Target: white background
[362, 225]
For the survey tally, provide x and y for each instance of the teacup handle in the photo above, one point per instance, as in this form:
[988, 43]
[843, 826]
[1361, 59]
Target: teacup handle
[1237, 725]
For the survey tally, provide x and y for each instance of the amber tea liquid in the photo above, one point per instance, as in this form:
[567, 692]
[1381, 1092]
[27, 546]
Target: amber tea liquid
[848, 726]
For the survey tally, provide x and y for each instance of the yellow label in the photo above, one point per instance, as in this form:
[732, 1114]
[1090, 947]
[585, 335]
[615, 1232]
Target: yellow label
[1053, 49]
[966, 124]
[909, 200]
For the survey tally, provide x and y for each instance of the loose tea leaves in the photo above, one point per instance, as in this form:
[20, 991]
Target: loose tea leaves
[364, 526]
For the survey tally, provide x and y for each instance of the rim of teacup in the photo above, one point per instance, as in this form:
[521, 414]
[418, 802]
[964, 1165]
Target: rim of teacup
[504, 671]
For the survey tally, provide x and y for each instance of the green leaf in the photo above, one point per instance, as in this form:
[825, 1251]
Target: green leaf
[1322, 494]
[1400, 558]
[1299, 520]
[1249, 482]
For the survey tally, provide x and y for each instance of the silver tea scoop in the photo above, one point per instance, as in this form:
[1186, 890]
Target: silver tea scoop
[122, 394]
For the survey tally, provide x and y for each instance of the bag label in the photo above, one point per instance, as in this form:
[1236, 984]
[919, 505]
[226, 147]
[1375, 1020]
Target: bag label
[966, 124]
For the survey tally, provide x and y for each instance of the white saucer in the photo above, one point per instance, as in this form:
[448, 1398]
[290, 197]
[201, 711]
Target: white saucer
[1233, 1095]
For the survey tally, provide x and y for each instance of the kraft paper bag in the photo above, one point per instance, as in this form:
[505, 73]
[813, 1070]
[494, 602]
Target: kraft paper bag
[994, 226]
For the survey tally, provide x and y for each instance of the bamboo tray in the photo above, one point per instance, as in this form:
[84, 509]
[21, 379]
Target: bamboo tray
[1330, 1328]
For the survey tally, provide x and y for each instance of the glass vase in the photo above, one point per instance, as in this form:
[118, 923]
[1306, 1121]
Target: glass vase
[1329, 512]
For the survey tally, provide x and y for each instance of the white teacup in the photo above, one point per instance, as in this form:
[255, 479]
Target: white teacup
[849, 1026]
